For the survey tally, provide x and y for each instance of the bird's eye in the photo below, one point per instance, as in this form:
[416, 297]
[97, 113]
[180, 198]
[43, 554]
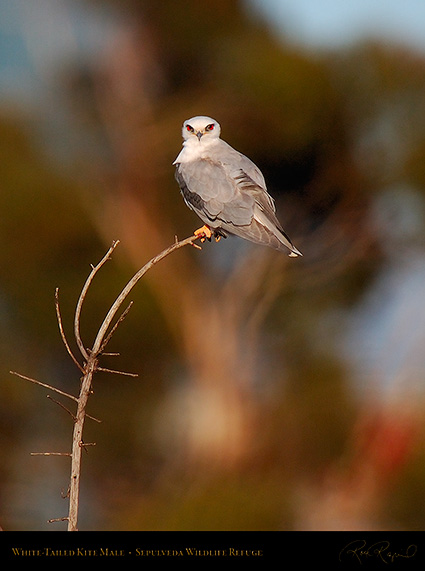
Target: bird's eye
[189, 128]
[209, 127]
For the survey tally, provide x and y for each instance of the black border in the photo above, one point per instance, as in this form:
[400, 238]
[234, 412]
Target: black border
[332, 550]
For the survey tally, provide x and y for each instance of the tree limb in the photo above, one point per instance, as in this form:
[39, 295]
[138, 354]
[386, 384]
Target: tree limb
[91, 365]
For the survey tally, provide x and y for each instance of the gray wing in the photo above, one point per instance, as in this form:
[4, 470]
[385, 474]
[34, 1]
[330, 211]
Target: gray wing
[230, 195]
[265, 227]
[208, 189]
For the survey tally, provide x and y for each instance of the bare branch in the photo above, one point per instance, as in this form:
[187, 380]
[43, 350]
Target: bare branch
[117, 372]
[137, 276]
[83, 294]
[62, 332]
[44, 385]
[84, 445]
[50, 454]
[114, 328]
[62, 406]
[91, 366]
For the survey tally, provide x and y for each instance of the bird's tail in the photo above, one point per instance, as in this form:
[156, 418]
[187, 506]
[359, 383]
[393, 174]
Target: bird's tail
[259, 233]
[272, 232]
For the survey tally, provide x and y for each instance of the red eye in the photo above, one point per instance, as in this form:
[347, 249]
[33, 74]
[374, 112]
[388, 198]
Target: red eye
[189, 128]
[209, 127]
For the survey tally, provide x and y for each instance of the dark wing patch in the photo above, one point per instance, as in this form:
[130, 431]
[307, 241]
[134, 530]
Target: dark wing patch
[192, 199]
[209, 190]
[261, 196]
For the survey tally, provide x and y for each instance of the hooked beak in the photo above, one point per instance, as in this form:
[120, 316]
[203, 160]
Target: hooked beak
[199, 135]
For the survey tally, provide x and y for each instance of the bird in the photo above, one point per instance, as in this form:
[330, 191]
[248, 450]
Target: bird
[226, 189]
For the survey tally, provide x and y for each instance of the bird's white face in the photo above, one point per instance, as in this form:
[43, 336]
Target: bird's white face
[201, 127]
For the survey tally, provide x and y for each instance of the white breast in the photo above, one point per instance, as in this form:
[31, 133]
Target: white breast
[194, 150]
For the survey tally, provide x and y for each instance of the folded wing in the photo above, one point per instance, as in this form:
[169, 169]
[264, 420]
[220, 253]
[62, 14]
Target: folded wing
[231, 196]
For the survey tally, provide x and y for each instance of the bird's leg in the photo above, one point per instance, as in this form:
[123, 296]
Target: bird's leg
[219, 234]
[204, 233]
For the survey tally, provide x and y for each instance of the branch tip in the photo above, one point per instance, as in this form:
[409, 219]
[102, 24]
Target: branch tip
[44, 385]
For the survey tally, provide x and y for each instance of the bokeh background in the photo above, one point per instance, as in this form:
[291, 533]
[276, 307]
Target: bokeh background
[273, 394]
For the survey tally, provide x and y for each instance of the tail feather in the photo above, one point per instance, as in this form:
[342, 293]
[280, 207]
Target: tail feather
[271, 225]
[260, 234]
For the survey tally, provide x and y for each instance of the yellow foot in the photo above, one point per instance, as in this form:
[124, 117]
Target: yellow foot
[204, 233]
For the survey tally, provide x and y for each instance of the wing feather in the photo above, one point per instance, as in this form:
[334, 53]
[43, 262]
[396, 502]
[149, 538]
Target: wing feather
[209, 189]
[228, 192]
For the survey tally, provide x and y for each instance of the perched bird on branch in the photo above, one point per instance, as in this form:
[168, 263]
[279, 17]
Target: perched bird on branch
[226, 189]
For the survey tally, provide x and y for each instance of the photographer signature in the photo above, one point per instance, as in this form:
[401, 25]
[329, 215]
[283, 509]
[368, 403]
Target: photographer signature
[359, 550]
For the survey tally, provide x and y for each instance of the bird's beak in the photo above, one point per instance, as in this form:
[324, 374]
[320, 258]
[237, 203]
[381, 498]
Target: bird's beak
[199, 135]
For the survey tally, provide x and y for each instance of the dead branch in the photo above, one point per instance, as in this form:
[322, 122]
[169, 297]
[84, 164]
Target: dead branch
[117, 372]
[50, 454]
[77, 317]
[63, 407]
[114, 328]
[61, 330]
[91, 365]
[44, 385]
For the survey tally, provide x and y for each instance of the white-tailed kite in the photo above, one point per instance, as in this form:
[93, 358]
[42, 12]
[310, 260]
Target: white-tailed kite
[226, 189]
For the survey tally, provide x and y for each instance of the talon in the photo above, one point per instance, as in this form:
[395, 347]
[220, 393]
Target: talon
[204, 233]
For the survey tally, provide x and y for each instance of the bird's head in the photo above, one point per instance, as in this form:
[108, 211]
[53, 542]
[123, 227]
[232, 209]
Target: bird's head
[201, 127]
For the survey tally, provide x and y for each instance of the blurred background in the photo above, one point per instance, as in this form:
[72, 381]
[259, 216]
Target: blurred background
[273, 394]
